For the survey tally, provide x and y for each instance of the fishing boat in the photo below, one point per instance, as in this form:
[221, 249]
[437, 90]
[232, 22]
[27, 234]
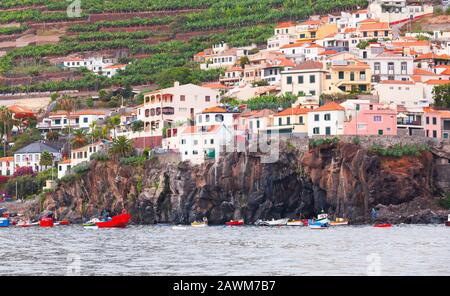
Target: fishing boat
[27, 224]
[318, 226]
[301, 222]
[235, 222]
[273, 222]
[339, 222]
[4, 222]
[46, 222]
[199, 224]
[92, 222]
[119, 221]
[448, 221]
[322, 222]
[382, 225]
[63, 222]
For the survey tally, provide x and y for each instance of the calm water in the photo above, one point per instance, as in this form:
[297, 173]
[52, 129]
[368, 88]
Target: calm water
[161, 250]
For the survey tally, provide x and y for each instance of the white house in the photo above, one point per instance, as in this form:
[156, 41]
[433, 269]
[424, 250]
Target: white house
[64, 167]
[84, 153]
[30, 155]
[390, 66]
[407, 93]
[326, 120]
[167, 107]
[78, 120]
[306, 78]
[259, 121]
[110, 71]
[7, 166]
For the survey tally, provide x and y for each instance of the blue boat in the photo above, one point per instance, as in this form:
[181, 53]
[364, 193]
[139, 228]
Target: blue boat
[4, 222]
[322, 222]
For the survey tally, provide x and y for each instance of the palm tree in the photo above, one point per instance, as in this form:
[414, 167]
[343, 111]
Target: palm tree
[6, 124]
[79, 138]
[115, 121]
[121, 147]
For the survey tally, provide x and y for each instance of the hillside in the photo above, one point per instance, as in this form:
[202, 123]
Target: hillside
[157, 36]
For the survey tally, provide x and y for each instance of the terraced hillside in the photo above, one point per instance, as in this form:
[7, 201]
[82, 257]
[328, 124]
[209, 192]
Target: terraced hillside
[159, 37]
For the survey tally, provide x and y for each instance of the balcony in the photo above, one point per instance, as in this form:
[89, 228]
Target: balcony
[406, 121]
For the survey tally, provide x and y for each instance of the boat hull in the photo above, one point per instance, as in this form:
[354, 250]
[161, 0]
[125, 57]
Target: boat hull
[338, 223]
[235, 223]
[384, 225]
[119, 221]
[46, 222]
[447, 223]
[318, 226]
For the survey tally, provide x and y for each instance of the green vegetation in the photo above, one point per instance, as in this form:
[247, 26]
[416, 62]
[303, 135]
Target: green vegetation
[133, 161]
[13, 30]
[323, 141]
[121, 147]
[81, 169]
[356, 140]
[445, 202]
[244, 21]
[100, 156]
[441, 95]
[270, 102]
[399, 150]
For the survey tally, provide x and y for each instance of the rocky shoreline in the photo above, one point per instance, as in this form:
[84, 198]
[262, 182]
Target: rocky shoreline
[343, 179]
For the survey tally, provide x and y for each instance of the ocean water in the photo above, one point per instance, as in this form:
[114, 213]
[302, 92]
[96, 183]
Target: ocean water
[220, 250]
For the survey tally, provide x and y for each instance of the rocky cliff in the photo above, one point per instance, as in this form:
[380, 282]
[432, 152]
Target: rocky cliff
[343, 179]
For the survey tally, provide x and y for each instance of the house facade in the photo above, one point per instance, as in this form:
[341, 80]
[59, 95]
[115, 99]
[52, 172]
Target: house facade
[30, 155]
[327, 120]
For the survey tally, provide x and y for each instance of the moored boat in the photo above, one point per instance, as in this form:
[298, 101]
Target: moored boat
[301, 222]
[339, 222]
[119, 221]
[4, 222]
[448, 221]
[383, 225]
[273, 222]
[235, 222]
[46, 222]
[199, 224]
[64, 222]
[318, 226]
[28, 223]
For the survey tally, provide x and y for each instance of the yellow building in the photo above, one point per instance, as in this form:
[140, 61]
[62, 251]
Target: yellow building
[349, 76]
[291, 120]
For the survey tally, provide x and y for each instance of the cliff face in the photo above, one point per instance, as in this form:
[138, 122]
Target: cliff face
[343, 179]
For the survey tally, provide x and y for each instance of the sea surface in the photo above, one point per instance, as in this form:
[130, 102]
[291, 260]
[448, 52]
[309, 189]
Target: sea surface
[220, 250]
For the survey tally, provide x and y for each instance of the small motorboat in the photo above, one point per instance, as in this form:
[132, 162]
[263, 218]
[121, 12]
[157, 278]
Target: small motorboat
[92, 222]
[199, 224]
[235, 222]
[448, 221]
[46, 222]
[382, 225]
[63, 222]
[339, 222]
[301, 222]
[318, 226]
[4, 222]
[273, 222]
[28, 223]
[119, 221]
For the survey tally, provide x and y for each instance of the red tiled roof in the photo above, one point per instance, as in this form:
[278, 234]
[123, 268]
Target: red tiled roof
[308, 65]
[328, 52]
[411, 43]
[331, 106]
[291, 45]
[285, 25]
[418, 71]
[397, 82]
[8, 158]
[314, 45]
[119, 66]
[293, 111]
[437, 82]
[431, 55]
[374, 27]
[215, 110]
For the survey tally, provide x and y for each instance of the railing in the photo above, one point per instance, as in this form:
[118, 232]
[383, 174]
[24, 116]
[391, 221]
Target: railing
[409, 122]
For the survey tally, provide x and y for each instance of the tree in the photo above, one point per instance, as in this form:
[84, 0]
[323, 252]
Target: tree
[6, 125]
[52, 136]
[121, 147]
[79, 138]
[244, 61]
[441, 95]
[46, 160]
[137, 126]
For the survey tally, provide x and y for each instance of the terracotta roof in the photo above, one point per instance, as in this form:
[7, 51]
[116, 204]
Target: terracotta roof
[314, 45]
[285, 62]
[328, 52]
[331, 106]
[293, 111]
[5, 159]
[262, 113]
[308, 65]
[285, 25]
[437, 82]
[369, 20]
[215, 110]
[16, 109]
[234, 68]
[418, 71]
[119, 66]
[349, 30]
[65, 161]
[215, 85]
[310, 22]
[374, 27]
[416, 78]
[443, 113]
[201, 53]
[431, 55]
[397, 82]
[291, 45]
[411, 43]
[73, 59]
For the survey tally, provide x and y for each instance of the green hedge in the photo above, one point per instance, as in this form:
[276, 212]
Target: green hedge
[399, 150]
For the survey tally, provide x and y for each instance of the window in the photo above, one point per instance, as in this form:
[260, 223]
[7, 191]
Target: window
[386, 33]
[182, 98]
[280, 121]
[312, 79]
[364, 34]
[327, 117]
[390, 66]
[289, 80]
[375, 34]
[207, 118]
[380, 132]
[219, 118]
[341, 75]
[434, 121]
[316, 131]
[195, 152]
[300, 79]
[434, 134]
[300, 119]
[58, 121]
[288, 120]
[257, 124]
[352, 76]
[85, 120]
[195, 142]
[427, 119]
[328, 131]
[211, 141]
[207, 98]
[377, 66]
[377, 118]
[183, 142]
[404, 66]
[316, 117]
[199, 119]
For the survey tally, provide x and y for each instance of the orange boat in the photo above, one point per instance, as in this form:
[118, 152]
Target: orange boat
[119, 221]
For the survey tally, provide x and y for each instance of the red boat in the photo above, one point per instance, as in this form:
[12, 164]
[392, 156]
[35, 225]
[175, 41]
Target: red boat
[64, 222]
[383, 225]
[46, 222]
[119, 221]
[447, 223]
[235, 222]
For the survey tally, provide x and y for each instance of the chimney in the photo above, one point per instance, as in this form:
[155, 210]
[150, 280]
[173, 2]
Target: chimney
[176, 84]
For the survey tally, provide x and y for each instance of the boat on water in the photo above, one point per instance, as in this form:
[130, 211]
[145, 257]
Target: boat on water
[4, 222]
[273, 222]
[92, 222]
[448, 221]
[235, 222]
[119, 221]
[46, 222]
[322, 222]
[199, 224]
[179, 227]
[339, 222]
[301, 222]
[383, 225]
[28, 223]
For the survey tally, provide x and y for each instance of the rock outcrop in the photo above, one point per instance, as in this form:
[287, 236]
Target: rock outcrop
[343, 179]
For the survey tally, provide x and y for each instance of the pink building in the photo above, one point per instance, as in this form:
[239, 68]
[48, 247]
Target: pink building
[437, 123]
[365, 118]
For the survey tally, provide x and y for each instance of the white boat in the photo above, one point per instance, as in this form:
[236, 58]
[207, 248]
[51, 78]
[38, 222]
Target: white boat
[179, 227]
[295, 223]
[273, 222]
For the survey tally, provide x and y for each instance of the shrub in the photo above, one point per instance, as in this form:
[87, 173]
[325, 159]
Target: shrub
[356, 140]
[26, 186]
[68, 178]
[23, 171]
[322, 141]
[100, 156]
[399, 150]
[81, 169]
[133, 160]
